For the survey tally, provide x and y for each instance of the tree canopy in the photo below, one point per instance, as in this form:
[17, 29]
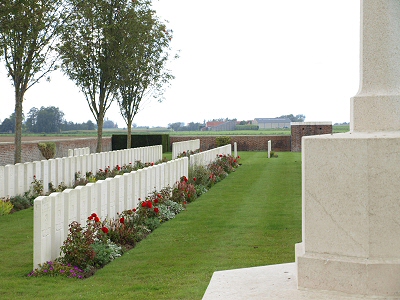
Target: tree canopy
[145, 52]
[27, 35]
[46, 119]
[296, 118]
[89, 49]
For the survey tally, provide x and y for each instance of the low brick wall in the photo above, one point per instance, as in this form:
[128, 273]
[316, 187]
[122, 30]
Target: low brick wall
[300, 129]
[30, 151]
[280, 143]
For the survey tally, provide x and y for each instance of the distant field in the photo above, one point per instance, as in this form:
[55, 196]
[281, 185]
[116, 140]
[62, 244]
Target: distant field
[106, 132]
[341, 128]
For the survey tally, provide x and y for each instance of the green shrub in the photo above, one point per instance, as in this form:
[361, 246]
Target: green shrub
[105, 253]
[5, 207]
[273, 154]
[77, 248]
[48, 149]
[20, 202]
[61, 187]
[223, 140]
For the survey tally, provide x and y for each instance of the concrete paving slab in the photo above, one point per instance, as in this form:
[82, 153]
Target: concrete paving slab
[274, 282]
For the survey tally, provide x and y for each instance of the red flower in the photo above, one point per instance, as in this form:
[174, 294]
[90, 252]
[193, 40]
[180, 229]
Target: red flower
[104, 229]
[144, 204]
[194, 178]
[238, 156]
[90, 218]
[156, 210]
[94, 215]
[220, 155]
[159, 196]
[185, 179]
[149, 204]
[156, 200]
[134, 210]
[118, 168]
[122, 220]
[152, 164]
[96, 219]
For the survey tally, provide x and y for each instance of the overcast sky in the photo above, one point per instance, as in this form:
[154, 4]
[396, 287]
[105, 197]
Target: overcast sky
[238, 59]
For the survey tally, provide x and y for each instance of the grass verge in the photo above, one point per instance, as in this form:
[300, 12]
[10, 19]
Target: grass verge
[251, 218]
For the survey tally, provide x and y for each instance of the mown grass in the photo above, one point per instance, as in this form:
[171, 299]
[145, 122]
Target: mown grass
[251, 218]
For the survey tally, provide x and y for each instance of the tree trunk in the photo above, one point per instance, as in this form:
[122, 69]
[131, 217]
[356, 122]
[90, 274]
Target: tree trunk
[129, 137]
[100, 122]
[19, 96]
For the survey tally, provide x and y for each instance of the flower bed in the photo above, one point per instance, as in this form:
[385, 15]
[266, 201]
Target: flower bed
[90, 247]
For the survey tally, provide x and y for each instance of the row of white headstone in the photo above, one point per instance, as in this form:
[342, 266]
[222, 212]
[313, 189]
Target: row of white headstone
[79, 151]
[184, 146]
[17, 179]
[54, 213]
[206, 157]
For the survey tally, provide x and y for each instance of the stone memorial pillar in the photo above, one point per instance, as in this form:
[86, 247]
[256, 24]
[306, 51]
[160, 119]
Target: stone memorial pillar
[351, 199]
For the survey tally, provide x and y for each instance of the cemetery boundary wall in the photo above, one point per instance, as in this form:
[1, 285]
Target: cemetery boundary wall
[30, 151]
[280, 143]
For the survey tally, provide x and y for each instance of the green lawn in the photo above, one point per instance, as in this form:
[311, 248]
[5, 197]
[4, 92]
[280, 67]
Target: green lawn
[251, 218]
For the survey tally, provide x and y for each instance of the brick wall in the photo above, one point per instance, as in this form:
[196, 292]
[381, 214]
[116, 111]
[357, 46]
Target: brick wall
[280, 143]
[30, 151]
[300, 129]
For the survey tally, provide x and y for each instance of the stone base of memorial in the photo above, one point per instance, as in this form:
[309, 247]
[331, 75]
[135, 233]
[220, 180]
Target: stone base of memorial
[351, 214]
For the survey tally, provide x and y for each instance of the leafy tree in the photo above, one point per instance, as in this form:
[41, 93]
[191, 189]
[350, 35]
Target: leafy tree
[297, 118]
[88, 49]
[32, 119]
[90, 125]
[109, 124]
[49, 119]
[175, 126]
[7, 125]
[144, 48]
[27, 35]
[46, 119]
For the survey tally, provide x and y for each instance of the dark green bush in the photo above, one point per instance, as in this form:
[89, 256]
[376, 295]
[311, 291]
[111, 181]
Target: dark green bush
[20, 203]
[223, 140]
[48, 149]
[118, 141]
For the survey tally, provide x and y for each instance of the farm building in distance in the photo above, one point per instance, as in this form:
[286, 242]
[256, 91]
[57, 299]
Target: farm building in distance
[266, 123]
